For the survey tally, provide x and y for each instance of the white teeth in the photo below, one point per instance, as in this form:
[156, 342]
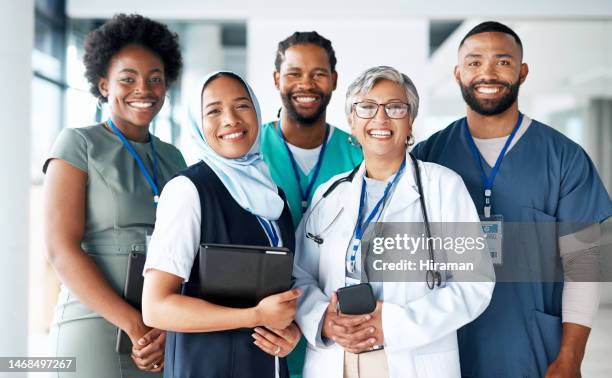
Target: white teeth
[487, 90]
[380, 133]
[233, 135]
[142, 105]
[305, 99]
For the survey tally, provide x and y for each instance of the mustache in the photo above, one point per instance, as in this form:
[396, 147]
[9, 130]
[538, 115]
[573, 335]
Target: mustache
[491, 82]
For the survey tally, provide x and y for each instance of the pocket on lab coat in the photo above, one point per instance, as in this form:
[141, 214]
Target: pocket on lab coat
[436, 365]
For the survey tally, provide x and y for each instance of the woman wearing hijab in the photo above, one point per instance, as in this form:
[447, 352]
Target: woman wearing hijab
[226, 198]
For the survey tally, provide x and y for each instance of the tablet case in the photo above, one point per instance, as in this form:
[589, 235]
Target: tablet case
[132, 293]
[240, 276]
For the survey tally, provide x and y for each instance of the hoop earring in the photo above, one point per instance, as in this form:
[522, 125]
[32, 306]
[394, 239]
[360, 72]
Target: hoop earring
[410, 141]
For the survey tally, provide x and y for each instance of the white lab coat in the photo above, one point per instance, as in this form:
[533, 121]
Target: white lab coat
[419, 324]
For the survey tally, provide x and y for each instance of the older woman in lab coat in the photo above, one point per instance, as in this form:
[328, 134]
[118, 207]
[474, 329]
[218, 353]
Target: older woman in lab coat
[412, 331]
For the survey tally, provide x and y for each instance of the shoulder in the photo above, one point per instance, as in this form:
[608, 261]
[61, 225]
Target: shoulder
[438, 173]
[328, 184]
[180, 187]
[340, 141]
[540, 130]
[268, 129]
[437, 142]
[169, 151]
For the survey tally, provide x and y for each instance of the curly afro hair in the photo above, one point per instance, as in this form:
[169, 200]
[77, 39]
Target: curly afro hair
[103, 43]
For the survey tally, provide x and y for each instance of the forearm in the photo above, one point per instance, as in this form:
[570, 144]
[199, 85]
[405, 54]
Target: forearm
[573, 342]
[82, 276]
[181, 313]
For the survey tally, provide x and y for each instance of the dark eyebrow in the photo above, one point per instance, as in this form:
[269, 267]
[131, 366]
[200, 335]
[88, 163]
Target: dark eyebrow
[131, 70]
[501, 55]
[212, 103]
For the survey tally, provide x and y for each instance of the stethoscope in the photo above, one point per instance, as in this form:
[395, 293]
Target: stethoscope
[433, 278]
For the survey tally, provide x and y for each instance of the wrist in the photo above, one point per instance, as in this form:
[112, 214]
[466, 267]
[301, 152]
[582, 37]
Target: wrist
[570, 354]
[134, 325]
[253, 316]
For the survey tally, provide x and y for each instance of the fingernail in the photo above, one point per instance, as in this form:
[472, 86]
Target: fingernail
[141, 342]
[372, 341]
[334, 338]
[257, 329]
[368, 317]
[371, 330]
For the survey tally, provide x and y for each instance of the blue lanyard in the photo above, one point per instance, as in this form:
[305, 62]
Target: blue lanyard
[270, 230]
[152, 181]
[488, 181]
[361, 225]
[296, 172]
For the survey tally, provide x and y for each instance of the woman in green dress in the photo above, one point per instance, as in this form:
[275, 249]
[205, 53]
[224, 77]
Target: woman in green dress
[101, 190]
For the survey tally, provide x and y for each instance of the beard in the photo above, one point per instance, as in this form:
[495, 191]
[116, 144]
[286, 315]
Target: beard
[305, 119]
[489, 107]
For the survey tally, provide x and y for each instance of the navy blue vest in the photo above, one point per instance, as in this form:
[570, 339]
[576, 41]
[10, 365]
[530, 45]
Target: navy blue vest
[224, 354]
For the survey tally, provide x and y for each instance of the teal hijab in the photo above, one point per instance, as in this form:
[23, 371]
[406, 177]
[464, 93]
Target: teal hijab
[247, 178]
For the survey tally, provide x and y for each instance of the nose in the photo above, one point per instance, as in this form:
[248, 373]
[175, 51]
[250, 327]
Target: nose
[381, 114]
[230, 118]
[306, 82]
[488, 70]
[142, 86]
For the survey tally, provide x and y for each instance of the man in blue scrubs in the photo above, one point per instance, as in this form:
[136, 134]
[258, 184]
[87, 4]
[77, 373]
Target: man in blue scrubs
[520, 170]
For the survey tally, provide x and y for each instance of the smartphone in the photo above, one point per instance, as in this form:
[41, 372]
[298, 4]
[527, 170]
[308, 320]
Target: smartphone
[356, 299]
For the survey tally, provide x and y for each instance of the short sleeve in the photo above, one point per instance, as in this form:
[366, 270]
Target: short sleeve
[583, 197]
[70, 146]
[176, 237]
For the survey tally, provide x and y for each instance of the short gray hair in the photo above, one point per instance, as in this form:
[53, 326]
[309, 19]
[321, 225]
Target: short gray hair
[367, 79]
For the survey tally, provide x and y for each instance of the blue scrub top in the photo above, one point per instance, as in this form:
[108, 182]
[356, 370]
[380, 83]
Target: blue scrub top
[545, 177]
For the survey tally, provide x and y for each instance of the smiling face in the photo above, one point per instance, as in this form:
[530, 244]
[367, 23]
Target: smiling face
[305, 82]
[229, 119]
[490, 72]
[382, 136]
[135, 86]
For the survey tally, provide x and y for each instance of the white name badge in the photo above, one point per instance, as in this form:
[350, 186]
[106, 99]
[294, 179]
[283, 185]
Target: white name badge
[493, 227]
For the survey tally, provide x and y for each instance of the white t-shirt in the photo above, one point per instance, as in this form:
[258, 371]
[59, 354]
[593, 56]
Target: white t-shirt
[306, 158]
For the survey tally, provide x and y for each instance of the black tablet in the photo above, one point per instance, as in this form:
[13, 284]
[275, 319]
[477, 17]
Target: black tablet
[240, 276]
[132, 293]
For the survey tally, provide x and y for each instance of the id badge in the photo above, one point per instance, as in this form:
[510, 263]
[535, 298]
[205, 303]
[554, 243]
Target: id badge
[353, 266]
[493, 227]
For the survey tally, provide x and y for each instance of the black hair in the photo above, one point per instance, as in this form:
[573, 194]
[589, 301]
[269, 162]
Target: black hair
[492, 26]
[303, 38]
[102, 43]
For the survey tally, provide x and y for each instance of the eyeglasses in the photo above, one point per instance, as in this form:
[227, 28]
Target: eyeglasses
[368, 109]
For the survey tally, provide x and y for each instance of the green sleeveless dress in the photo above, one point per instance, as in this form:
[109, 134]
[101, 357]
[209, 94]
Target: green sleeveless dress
[119, 215]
